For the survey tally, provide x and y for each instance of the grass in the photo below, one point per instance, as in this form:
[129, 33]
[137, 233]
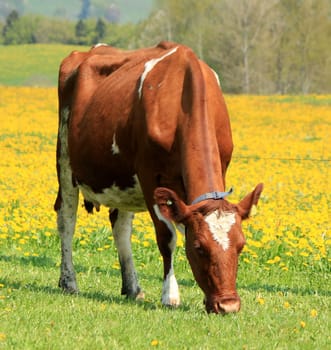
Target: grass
[280, 311]
[32, 65]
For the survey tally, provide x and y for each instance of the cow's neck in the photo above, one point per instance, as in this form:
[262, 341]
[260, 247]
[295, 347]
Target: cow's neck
[201, 158]
[202, 166]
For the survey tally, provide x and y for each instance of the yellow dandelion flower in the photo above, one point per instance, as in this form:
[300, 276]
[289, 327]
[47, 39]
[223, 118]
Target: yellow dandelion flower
[304, 254]
[275, 260]
[287, 304]
[260, 300]
[313, 313]
[154, 342]
[116, 266]
[317, 257]
[302, 324]
[253, 210]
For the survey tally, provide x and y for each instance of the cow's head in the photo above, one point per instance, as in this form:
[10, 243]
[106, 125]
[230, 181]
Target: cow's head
[213, 242]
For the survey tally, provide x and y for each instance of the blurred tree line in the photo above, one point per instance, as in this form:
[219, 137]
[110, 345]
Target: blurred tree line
[257, 46]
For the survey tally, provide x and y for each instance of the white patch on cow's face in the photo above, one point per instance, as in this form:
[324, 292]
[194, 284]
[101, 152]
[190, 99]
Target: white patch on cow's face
[130, 199]
[114, 147]
[220, 224]
[150, 65]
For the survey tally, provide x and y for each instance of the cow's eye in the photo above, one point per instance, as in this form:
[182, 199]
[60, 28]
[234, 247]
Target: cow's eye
[200, 249]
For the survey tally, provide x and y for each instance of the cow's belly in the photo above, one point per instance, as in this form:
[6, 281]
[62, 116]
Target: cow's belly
[130, 199]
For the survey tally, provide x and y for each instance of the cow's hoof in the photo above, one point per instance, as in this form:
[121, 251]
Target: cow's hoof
[171, 302]
[69, 287]
[140, 296]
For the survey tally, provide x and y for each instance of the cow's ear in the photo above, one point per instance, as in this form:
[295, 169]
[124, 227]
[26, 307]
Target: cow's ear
[170, 205]
[246, 204]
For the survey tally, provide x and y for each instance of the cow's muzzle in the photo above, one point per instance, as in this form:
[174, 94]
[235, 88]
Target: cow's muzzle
[223, 306]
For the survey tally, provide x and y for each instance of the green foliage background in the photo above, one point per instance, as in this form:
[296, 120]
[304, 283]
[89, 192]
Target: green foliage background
[130, 10]
[256, 46]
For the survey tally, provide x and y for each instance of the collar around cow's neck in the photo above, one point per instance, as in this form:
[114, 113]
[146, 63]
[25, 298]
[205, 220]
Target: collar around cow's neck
[212, 195]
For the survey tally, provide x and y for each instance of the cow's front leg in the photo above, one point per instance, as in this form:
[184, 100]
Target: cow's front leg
[166, 240]
[122, 227]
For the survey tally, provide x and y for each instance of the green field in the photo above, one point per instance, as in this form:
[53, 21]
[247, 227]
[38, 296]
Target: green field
[32, 65]
[277, 312]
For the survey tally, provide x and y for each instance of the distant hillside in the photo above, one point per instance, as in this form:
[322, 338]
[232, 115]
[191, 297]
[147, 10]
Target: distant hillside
[35, 65]
[121, 10]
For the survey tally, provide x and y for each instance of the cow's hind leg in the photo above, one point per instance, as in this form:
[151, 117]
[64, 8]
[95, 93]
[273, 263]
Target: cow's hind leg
[66, 208]
[122, 227]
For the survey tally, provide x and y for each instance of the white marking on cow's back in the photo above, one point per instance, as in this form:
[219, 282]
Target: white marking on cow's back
[149, 65]
[114, 147]
[131, 199]
[220, 224]
[99, 44]
[217, 77]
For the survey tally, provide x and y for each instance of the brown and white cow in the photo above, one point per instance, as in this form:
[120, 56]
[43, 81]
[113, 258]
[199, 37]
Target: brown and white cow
[149, 129]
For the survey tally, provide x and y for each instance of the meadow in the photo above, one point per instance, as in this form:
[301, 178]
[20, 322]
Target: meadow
[32, 65]
[284, 272]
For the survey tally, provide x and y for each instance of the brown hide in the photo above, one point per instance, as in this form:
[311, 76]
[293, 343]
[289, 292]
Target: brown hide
[173, 105]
